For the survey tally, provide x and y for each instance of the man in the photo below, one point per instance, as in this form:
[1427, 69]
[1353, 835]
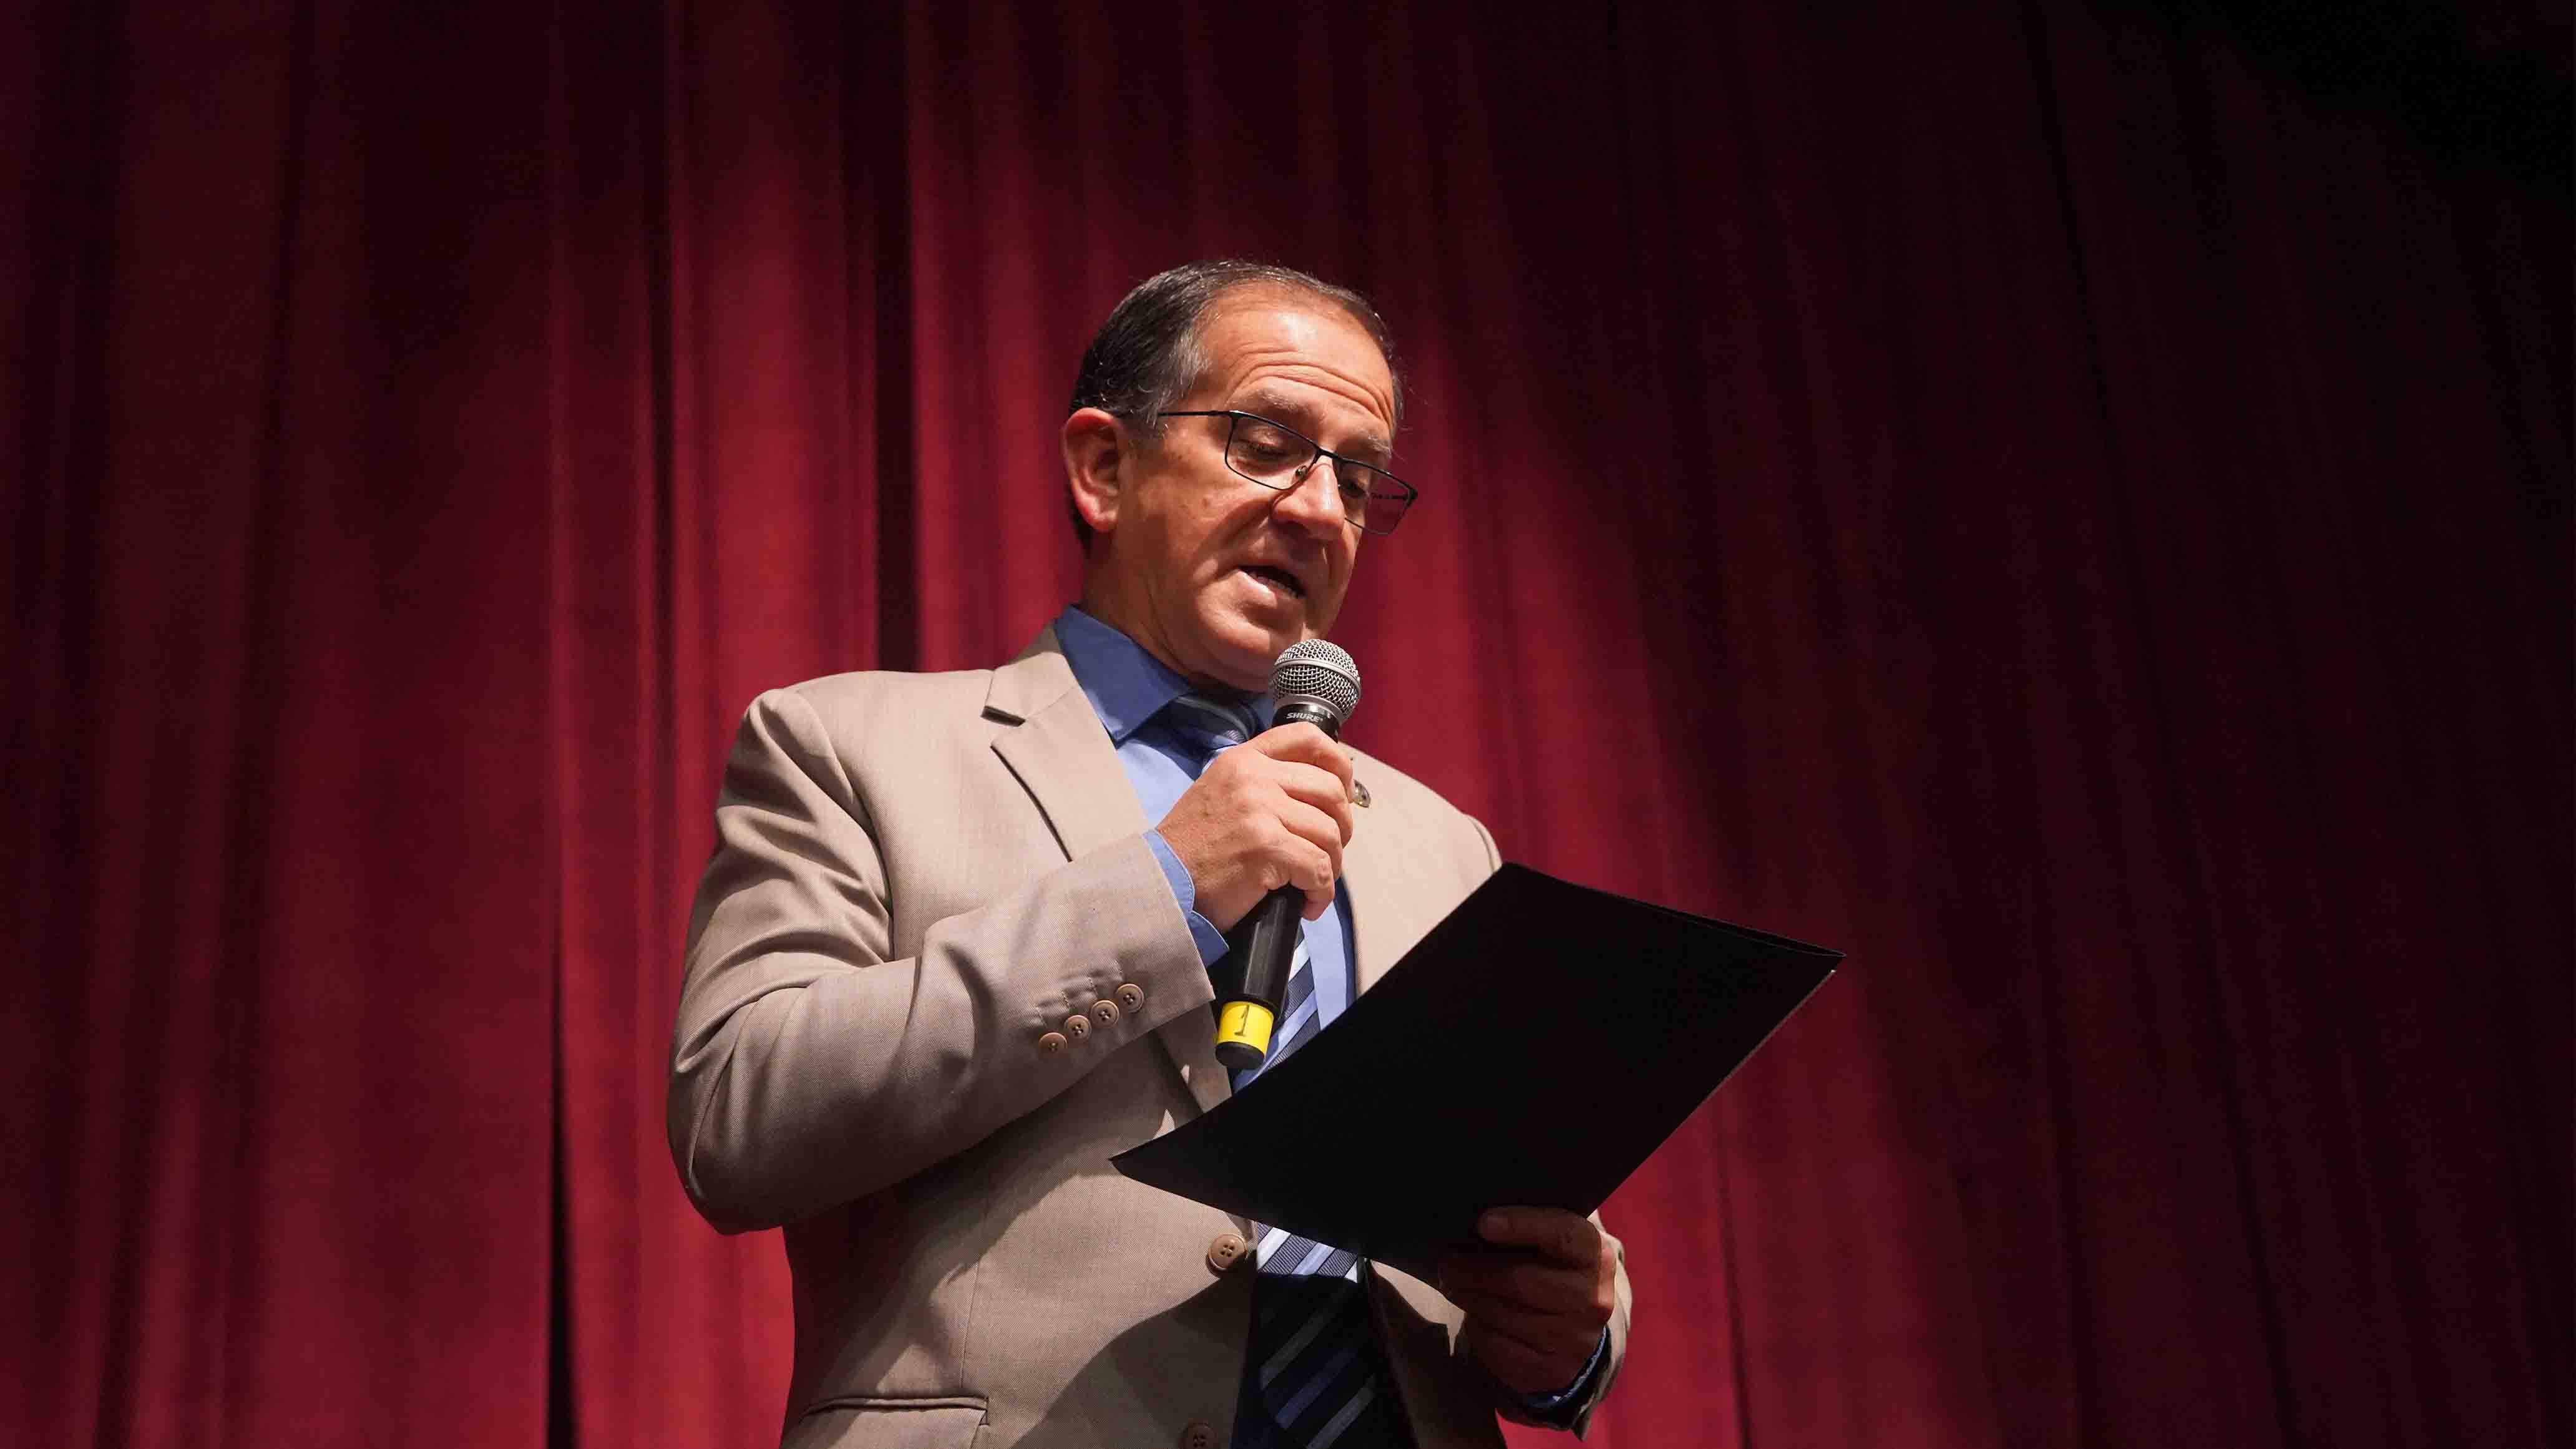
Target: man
[953, 952]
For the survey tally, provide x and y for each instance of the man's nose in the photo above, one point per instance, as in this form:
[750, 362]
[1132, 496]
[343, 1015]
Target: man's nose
[1314, 497]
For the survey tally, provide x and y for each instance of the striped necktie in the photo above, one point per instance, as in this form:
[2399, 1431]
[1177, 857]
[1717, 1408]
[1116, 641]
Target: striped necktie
[1207, 724]
[1313, 1377]
[1312, 1372]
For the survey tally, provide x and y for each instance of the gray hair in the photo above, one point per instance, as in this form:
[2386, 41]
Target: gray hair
[1146, 357]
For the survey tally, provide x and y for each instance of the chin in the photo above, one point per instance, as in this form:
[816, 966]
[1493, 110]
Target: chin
[1242, 651]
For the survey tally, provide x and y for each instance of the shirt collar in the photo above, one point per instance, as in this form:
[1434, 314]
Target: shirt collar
[1126, 685]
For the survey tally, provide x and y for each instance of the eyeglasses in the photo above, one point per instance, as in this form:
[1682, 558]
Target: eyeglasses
[1373, 499]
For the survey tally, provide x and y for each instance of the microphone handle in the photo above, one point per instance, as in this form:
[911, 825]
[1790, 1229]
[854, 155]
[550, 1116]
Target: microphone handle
[1265, 941]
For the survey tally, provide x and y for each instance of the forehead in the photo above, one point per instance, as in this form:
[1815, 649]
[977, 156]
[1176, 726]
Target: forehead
[1295, 353]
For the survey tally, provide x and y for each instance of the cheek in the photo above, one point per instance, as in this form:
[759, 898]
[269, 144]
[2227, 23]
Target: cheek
[1183, 542]
[1203, 536]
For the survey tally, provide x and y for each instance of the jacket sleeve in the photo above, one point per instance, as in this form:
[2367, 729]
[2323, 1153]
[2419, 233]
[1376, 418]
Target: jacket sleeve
[808, 1066]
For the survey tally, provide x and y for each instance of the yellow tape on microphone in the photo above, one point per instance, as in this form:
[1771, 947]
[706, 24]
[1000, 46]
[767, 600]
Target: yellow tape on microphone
[1246, 1026]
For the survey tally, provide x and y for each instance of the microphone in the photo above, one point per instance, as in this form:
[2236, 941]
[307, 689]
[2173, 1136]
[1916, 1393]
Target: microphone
[1314, 683]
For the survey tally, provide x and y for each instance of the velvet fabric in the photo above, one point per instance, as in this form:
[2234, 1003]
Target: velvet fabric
[2055, 501]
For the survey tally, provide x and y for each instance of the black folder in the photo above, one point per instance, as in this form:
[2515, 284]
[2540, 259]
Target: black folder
[1534, 1048]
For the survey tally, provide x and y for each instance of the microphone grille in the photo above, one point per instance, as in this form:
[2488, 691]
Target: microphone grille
[1312, 669]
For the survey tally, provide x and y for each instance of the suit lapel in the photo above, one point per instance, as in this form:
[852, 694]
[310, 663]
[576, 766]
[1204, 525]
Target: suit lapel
[1367, 879]
[1062, 756]
[1064, 759]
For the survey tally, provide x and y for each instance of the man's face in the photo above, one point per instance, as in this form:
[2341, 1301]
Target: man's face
[1215, 573]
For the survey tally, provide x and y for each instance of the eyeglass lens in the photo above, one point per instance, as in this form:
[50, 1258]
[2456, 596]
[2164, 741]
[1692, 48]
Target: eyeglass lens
[1271, 455]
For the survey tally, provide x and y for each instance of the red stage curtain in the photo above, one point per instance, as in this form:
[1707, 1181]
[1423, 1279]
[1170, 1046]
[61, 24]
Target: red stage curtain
[2051, 501]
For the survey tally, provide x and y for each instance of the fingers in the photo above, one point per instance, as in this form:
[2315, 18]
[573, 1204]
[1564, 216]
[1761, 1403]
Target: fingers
[1562, 1339]
[1541, 1294]
[1519, 1366]
[1564, 1236]
[1320, 789]
[1273, 812]
[1314, 853]
[1305, 744]
[1517, 1284]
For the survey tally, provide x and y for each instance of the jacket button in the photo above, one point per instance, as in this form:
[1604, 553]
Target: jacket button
[1131, 995]
[1051, 1043]
[1105, 1012]
[1077, 1026]
[1226, 1250]
[1199, 1436]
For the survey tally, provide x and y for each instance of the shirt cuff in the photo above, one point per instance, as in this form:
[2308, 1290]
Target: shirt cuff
[1211, 941]
[1553, 1410]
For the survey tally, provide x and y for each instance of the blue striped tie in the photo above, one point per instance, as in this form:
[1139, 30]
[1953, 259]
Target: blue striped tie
[1312, 1376]
[1312, 1373]
[1207, 724]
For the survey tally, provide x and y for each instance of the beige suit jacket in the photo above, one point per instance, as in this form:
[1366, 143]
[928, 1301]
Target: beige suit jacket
[919, 881]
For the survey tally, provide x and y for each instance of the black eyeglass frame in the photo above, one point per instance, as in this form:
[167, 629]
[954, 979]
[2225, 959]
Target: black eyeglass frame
[1234, 416]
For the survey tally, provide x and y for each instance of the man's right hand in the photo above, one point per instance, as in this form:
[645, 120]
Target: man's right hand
[1273, 811]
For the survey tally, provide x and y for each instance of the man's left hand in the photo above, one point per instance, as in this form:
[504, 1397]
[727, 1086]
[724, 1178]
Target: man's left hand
[1537, 1299]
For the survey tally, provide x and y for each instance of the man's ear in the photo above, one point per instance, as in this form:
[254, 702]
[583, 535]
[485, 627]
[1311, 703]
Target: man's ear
[1098, 461]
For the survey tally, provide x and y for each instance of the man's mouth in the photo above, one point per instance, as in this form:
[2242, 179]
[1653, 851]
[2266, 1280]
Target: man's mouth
[1277, 577]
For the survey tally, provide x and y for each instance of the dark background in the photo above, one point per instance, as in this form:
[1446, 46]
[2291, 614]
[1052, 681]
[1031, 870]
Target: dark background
[2069, 504]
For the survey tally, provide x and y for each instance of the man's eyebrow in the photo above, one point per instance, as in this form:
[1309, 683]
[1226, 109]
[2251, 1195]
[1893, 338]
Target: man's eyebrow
[1370, 448]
